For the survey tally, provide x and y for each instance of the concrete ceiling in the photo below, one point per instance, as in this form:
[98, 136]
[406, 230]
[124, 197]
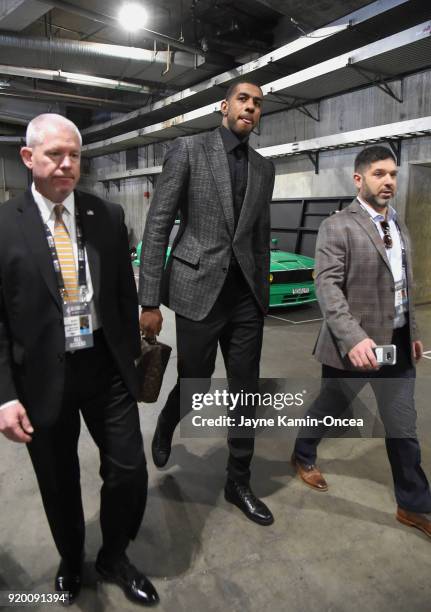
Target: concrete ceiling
[83, 38]
[315, 13]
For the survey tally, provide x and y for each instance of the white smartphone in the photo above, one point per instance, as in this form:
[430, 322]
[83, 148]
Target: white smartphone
[386, 354]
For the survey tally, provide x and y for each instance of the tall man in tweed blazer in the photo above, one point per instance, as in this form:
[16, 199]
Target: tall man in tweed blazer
[365, 289]
[217, 278]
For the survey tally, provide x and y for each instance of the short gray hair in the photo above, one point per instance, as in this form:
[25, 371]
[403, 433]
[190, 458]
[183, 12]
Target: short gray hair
[36, 129]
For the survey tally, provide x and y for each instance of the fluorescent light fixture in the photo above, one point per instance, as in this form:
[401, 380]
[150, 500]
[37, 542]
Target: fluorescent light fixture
[132, 17]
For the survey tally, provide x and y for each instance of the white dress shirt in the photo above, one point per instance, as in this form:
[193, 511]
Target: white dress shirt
[46, 208]
[394, 254]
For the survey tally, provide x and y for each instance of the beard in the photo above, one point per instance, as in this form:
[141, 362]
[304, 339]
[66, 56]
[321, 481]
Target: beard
[372, 199]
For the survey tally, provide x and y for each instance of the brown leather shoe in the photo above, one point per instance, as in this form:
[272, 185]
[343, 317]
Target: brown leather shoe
[310, 474]
[415, 519]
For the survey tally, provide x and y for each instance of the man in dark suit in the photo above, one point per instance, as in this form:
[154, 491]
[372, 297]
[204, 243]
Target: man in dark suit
[364, 284]
[69, 335]
[217, 278]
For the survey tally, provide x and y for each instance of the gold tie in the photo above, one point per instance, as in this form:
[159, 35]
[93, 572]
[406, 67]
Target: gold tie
[64, 247]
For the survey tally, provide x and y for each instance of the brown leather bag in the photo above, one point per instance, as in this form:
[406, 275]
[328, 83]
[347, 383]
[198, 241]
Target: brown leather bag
[151, 367]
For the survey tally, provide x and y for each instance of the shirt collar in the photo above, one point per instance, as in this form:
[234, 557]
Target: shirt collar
[46, 207]
[377, 217]
[230, 139]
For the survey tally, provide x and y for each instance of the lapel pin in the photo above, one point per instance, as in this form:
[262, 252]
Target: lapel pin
[90, 212]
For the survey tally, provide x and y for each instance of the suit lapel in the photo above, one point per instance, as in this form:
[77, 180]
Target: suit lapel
[88, 220]
[219, 166]
[254, 180]
[365, 221]
[34, 235]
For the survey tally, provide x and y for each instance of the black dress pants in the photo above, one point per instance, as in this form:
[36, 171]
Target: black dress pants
[94, 387]
[393, 387]
[236, 323]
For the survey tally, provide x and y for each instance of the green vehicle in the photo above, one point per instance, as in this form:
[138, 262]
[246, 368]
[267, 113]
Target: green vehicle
[291, 277]
[136, 254]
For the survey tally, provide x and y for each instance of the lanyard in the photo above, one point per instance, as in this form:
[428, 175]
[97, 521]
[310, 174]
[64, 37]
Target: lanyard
[403, 250]
[82, 278]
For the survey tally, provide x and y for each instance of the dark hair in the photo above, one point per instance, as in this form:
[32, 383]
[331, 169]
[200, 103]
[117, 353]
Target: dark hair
[370, 155]
[233, 87]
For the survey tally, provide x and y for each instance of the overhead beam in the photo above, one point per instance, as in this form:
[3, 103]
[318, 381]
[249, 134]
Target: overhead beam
[136, 172]
[412, 128]
[12, 140]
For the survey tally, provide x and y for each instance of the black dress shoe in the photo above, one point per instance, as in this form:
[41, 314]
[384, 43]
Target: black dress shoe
[135, 585]
[68, 581]
[243, 497]
[161, 445]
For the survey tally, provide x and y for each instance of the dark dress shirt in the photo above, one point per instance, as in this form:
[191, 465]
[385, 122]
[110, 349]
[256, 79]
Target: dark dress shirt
[237, 156]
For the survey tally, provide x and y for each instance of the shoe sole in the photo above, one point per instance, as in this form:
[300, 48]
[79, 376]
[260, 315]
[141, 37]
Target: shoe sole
[411, 524]
[250, 518]
[320, 489]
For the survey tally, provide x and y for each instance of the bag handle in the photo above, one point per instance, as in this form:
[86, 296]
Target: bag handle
[150, 340]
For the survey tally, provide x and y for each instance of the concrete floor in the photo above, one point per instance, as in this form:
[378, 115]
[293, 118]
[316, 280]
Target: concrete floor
[336, 551]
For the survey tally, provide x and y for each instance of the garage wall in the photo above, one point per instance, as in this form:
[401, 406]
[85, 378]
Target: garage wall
[13, 174]
[295, 176]
[133, 194]
[361, 109]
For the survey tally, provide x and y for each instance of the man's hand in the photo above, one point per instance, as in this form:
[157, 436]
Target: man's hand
[418, 349]
[150, 322]
[362, 355]
[15, 424]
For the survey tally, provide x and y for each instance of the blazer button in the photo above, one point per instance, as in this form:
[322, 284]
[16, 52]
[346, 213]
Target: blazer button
[391, 317]
[224, 269]
[60, 357]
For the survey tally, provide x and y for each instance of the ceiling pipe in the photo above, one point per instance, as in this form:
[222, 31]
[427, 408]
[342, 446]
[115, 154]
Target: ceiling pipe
[77, 79]
[114, 23]
[50, 96]
[90, 50]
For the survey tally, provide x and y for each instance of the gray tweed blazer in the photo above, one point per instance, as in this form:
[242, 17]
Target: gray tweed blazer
[195, 184]
[355, 286]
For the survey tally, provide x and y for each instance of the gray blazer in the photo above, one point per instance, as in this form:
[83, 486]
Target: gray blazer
[195, 183]
[355, 286]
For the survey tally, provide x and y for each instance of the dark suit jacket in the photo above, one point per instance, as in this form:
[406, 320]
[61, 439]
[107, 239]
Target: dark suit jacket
[196, 183]
[355, 286]
[32, 345]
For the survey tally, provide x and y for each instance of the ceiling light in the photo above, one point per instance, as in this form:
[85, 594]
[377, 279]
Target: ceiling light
[132, 17]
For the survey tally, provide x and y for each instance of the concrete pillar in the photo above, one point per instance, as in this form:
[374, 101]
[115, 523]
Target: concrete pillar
[418, 219]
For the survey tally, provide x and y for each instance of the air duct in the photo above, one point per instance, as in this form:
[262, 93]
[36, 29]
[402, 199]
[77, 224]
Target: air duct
[95, 58]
